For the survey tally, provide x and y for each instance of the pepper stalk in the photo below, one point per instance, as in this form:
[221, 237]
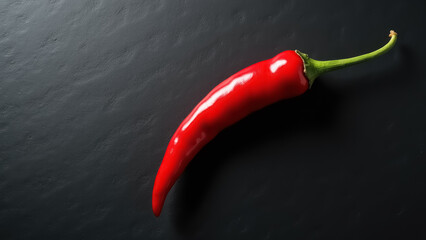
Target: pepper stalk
[313, 68]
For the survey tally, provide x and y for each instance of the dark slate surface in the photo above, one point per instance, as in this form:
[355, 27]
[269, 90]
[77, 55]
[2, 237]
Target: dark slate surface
[91, 92]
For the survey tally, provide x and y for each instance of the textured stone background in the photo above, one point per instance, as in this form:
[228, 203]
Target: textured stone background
[91, 91]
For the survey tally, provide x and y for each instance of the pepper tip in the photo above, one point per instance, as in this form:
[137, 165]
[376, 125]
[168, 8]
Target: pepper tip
[156, 209]
[157, 203]
[392, 33]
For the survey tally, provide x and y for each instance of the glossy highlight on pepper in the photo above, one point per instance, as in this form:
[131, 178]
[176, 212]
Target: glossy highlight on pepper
[287, 75]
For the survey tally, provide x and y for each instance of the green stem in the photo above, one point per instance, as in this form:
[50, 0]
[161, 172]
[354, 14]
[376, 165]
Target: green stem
[314, 68]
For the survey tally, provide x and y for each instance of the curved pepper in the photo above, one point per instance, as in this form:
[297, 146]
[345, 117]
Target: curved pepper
[287, 75]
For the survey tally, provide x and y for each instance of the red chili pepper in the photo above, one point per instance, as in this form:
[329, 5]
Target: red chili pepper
[287, 75]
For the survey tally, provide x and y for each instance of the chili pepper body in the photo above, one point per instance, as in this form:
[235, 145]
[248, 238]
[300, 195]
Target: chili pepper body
[287, 75]
[250, 89]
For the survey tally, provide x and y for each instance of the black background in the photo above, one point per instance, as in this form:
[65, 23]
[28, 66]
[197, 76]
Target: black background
[91, 92]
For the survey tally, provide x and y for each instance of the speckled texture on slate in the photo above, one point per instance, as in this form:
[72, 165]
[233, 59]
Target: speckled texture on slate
[91, 91]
